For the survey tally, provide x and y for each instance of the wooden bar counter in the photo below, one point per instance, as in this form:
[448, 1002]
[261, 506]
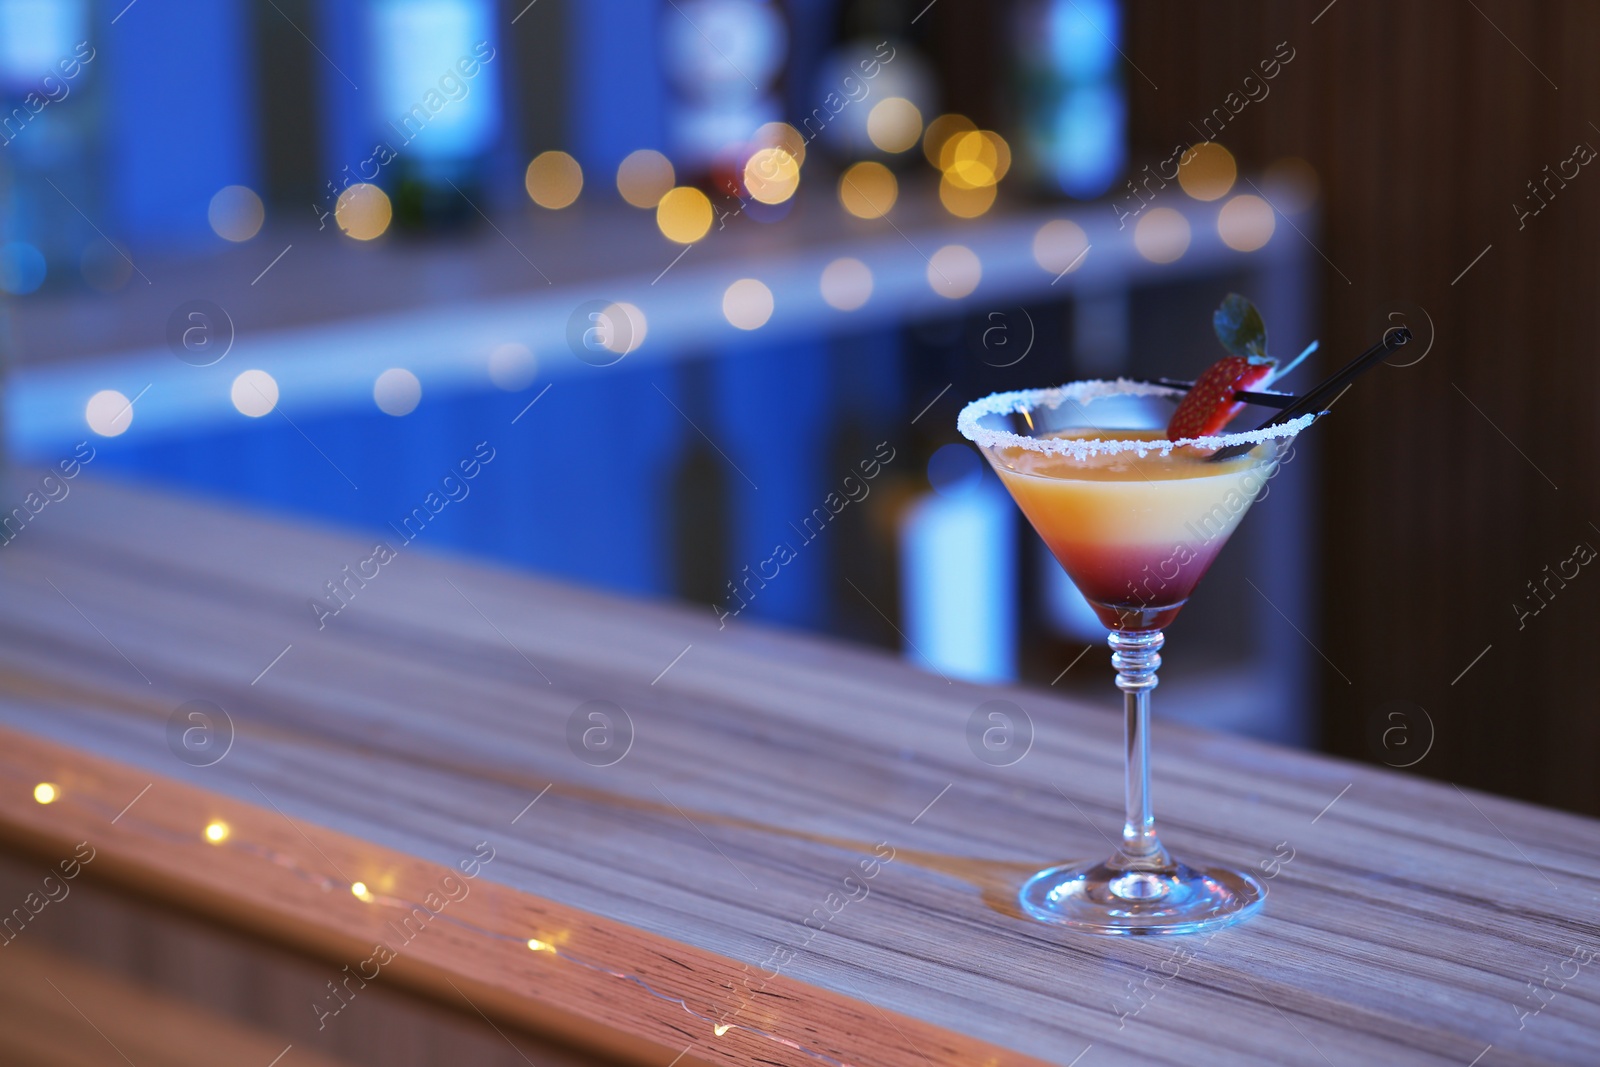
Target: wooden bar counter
[581, 828]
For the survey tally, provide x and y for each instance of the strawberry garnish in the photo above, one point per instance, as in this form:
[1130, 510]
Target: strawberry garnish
[1211, 404]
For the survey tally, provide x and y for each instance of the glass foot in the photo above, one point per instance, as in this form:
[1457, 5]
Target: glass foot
[1169, 899]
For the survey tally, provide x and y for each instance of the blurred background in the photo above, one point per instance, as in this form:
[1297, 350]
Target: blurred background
[707, 282]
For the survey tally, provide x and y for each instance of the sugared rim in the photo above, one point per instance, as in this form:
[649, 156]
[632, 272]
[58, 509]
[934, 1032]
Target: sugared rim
[1094, 389]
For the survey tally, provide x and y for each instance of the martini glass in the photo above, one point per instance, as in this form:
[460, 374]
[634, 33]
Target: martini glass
[1135, 520]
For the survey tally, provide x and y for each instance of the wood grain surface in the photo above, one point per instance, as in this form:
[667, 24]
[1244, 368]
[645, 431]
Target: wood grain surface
[796, 859]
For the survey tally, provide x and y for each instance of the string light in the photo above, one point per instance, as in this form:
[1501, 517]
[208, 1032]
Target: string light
[254, 393]
[781, 135]
[553, 180]
[963, 201]
[868, 190]
[940, 131]
[975, 159]
[625, 329]
[846, 283]
[894, 124]
[397, 392]
[1161, 235]
[1059, 246]
[363, 211]
[1246, 222]
[683, 215]
[108, 413]
[644, 177]
[954, 271]
[747, 304]
[1207, 171]
[46, 792]
[217, 831]
[235, 213]
[552, 947]
[772, 175]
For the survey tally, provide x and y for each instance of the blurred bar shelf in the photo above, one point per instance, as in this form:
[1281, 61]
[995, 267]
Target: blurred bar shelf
[797, 860]
[332, 314]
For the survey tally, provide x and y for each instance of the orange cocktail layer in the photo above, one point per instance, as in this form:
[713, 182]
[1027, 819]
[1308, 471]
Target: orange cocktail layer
[1135, 533]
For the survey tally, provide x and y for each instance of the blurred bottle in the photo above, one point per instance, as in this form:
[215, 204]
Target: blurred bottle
[723, 61]
[438, 108]
[959, 573]
[873, 61]
[47, 126]
[701, 520]
[1073, 107]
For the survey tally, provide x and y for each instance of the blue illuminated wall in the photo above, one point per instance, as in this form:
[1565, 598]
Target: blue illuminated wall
[580, 486]
[171, 148]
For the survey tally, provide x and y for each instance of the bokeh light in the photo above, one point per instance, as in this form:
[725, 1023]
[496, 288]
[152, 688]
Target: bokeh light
[1291, 184]
[894, 124]
[236, 213]
[513, 367]
[781, 135]
[772, 175]
[1059, 246]
[939, 133]
[954, 271]
[963, 201]
[1207, 171]
[846, 284]
[747, 304]
[623, 339]
[46, 792]
[644, 177]
[255, 393]
[684, 215]
[363, 212]
[22, 268]
[1161, 235]
[217, 831]
[397, 391]
[1246, 222]
[868, 190]
[975, 159]
[108, 413]
[553, 180]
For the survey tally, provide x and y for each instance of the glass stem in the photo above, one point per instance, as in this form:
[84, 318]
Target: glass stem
[1136, 657]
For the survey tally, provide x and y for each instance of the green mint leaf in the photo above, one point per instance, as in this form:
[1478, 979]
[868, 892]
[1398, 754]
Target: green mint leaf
[1239, 327]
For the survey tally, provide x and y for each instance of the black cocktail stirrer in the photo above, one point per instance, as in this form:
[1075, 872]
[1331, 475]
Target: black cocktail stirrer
[1393, 341]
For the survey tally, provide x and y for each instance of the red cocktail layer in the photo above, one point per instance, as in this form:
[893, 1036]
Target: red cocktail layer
[1135, 587]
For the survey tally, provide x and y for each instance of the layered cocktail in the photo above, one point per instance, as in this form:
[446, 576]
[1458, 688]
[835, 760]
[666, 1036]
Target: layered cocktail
[1136, 486]
[1135, 518]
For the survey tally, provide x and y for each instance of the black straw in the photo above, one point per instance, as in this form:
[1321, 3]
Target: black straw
[1246, 396]
[1315, 398]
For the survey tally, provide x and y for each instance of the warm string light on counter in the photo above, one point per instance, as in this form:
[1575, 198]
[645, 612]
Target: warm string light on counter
[218, 833]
